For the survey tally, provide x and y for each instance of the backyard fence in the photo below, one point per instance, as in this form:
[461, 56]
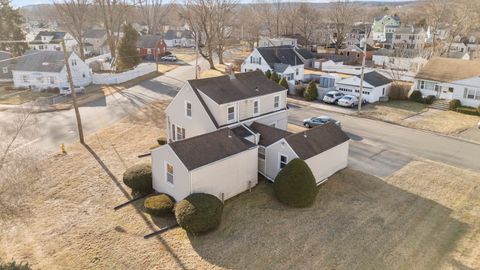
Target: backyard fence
[116, 78]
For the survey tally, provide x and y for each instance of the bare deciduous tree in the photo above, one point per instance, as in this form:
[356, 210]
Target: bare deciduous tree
[113, 14]
[308, 21]
[153, 13]
[436, 15]
[461, 20]
[250, 22]
[73, 14]
[224, 14]
[341, 15]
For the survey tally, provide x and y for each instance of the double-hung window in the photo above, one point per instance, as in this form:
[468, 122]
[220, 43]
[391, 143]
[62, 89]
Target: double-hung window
[188, 109]
[231, 113]
[283, 161]
[180, 133]
[5, 69]
[169, 173]
[276, 102]
[256, 107]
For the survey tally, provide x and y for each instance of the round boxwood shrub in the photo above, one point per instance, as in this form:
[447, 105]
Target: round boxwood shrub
[454, 104]
[199, 212]
[159, 205]
[295, 184]
[416, 96]
[430, 99]
[139, 177]
[162, 141]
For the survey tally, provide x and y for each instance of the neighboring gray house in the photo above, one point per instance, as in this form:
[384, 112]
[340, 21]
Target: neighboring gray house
[5, 66]
[46, 69]
[179, 38]
[205, 105]
[51, 41]
[94, 41]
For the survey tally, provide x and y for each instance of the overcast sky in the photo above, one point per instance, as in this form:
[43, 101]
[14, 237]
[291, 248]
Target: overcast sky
[20, 3]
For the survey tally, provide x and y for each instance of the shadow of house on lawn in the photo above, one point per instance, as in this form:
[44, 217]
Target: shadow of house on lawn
[357, 222]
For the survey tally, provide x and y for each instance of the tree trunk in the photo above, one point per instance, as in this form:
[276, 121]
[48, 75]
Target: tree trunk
[220, 56]
[210, 62]
[81, 48]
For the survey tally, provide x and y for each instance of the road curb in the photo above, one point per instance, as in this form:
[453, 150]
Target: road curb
[303, 103]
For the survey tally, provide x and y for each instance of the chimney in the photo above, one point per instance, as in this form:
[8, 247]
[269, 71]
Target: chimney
[231, 73]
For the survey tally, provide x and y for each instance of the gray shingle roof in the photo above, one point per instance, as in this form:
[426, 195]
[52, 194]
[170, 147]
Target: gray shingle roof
[94, 33]
[41, 61]
[57, 36]
[316, 140]
[224, 90]
[375, 79]
[204, 149]
[306, 54]
[280, 54]
[148, 41]
[268, 134]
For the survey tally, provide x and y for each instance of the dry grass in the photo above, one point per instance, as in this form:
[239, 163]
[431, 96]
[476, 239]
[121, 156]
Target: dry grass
[219, 71]
[17, 97]
[357, 222]
[417, 115]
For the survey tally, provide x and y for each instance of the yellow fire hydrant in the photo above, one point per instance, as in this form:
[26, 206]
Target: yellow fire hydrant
[62, 147]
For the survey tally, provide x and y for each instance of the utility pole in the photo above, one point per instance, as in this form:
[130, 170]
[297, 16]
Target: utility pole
[196, 55]
[74, 95]
[360, 97]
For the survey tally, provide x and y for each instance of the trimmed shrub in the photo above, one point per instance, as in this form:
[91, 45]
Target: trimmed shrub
[139, 178]
[268, 73]
[159, 205]
[430, 99]
[15, 266]
[274, 77]
[311, 91]
[467, 110]
[283, 82]
[300, 89]
[199, 212]
[416, 96]
[478, 109]
[454, 104]
[162, 140]
[295, 184]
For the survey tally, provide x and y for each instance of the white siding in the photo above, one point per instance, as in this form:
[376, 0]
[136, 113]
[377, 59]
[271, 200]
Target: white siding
[247, 66]
[199, 123]
[272, 154]
[230, 176]
[351, 86]
[181, 179]
[329, 162]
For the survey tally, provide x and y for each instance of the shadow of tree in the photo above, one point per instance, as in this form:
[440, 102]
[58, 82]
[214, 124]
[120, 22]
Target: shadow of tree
[357, 222]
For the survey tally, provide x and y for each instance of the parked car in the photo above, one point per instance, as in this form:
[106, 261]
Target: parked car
[170, 57]
[348, 101]
[320, 120]
[67, 91]
[332, 97]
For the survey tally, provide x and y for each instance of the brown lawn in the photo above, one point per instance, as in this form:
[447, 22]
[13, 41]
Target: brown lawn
[425, 216]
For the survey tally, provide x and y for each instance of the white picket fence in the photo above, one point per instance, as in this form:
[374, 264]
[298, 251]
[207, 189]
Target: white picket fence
[116, 78]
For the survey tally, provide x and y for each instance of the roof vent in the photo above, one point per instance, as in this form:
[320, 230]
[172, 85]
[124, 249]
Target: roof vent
[305, 134]
[229, 135]
[45, 64]
[256, 89]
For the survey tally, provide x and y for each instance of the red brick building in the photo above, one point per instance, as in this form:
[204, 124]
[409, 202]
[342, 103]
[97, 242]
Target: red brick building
[149, 46]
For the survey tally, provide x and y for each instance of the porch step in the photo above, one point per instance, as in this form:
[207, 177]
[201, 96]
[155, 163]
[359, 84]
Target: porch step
[440, 104]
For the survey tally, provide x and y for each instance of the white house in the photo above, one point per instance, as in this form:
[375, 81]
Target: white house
[179, 38]
[375, 85]
[323, 148]
[274, 42]
[5, 66]
[217, 163]
[449, 78]
[400, 59]
[205, 105]
[51, 41]
[284, 60]
[95, 39]
[409, 37]
[46, 69]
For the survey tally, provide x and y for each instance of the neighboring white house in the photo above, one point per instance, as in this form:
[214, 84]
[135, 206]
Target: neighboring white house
[403, 59]
[284, 60]
[46, 69]
[179, 38]
[51, 41]
[448, 78]
[409, 37]
[274, 42]
[217, 163]
[375, 85]
[323, 148]
[205, 105]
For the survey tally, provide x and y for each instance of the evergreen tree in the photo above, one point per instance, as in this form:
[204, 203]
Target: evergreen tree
[10, 29]
[283, 82]
[268, 73]
[311, 92]
[275, 77]
[127, 55]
